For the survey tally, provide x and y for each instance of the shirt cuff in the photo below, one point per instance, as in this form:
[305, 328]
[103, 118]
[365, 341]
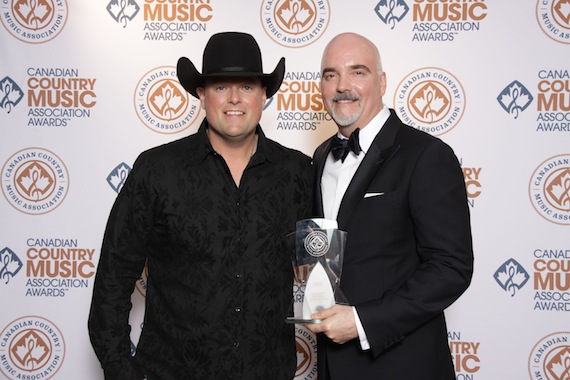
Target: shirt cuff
[361, 333]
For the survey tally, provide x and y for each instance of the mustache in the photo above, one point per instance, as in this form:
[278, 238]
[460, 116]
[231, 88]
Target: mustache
[345, 96]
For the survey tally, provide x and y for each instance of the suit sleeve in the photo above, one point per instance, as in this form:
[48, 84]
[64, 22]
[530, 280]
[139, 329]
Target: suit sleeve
[121, 263]
[439, 216]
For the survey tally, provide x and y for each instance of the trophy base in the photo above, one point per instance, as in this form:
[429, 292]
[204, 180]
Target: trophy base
[301, 320]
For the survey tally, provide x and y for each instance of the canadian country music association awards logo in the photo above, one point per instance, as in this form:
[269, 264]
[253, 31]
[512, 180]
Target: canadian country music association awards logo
[295, 23]
[162, 104]
[549, 189]
[31, 347]
[430, 99]
[515, 98]
[116, 179]
[434, 20]
[34, 21]
[549, 359]
[10, 94]
[10, 265]
[553, 17]
[550, 99]
[35, 181]
[306, 346]
[391, 12]
[511, 276]
[299, 102]
[164, 20]
[56, 96]
[123, 11]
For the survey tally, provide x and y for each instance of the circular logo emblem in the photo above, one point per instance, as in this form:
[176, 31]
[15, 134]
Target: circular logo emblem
[553, 18]
[549, 358]
[35, 21]
[295, 23]
[430, 99]
[306, 345]
[32, 348]
[316, 243]
[35, 181]
[162, 104]
[549, 189]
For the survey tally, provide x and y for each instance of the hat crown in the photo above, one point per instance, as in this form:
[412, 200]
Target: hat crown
[229, 54]
[232, 53]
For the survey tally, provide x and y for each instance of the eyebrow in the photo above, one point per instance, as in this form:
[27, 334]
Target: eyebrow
[352, 67]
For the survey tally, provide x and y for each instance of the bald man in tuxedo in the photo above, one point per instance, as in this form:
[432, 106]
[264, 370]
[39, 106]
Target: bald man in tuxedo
[400, 195]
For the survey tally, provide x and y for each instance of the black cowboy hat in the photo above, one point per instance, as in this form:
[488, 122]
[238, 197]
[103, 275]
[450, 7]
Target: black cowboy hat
[229, 54]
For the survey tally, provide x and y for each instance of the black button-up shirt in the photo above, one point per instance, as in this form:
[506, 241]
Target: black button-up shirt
[219, 272]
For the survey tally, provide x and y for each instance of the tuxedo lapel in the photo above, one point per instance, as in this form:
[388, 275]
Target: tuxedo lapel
[382, 149]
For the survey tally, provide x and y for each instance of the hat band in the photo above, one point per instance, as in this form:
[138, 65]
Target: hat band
[233, 69]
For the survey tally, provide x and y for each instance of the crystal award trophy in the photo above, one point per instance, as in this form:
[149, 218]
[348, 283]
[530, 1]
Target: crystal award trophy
[317, 249]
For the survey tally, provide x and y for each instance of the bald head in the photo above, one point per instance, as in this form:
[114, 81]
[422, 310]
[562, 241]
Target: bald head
[351, 42]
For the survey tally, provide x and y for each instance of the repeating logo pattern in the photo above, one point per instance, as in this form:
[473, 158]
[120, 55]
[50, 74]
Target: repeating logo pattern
[10, 265]
[430, 99]
[473, 182]
[35, 181]
[549, 189]
[32, 348]
[162, 104]
[116, 179]
[553, 17]
[34, 21]
[10, 94]
[465, 355]
[511, 276]
[549, 359]
[123, 11]
[295, 23]
[299, 103]
[391, 12]
[515, 98]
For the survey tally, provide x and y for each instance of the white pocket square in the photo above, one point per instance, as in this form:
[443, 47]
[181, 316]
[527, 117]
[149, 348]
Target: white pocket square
[370, 195]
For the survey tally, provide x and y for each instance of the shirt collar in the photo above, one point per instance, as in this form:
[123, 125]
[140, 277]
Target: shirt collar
[265, 151]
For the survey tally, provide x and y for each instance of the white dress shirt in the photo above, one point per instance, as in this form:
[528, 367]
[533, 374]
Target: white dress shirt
[336, 177]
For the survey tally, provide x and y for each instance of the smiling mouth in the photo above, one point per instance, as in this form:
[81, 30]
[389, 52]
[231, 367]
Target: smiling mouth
[234, 113]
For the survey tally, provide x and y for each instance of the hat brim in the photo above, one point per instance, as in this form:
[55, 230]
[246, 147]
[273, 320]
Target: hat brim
[191, 79]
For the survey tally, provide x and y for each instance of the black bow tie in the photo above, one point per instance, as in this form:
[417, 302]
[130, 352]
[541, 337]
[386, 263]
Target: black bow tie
[341, 147]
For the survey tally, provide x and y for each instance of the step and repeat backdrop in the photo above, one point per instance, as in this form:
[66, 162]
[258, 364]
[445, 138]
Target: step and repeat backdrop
[85, 86]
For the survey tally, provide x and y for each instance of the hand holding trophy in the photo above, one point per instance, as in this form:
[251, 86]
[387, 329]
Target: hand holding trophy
[317, 249]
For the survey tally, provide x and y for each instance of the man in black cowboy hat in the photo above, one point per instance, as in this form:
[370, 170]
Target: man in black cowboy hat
[208, 214]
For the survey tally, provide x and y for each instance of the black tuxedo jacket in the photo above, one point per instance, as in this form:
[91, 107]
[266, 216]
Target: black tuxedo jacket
[408, 256]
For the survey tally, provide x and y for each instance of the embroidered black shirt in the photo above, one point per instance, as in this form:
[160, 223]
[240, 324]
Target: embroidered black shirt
[219, 273]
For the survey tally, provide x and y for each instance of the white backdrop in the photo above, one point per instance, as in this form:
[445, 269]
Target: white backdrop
[85, 86]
